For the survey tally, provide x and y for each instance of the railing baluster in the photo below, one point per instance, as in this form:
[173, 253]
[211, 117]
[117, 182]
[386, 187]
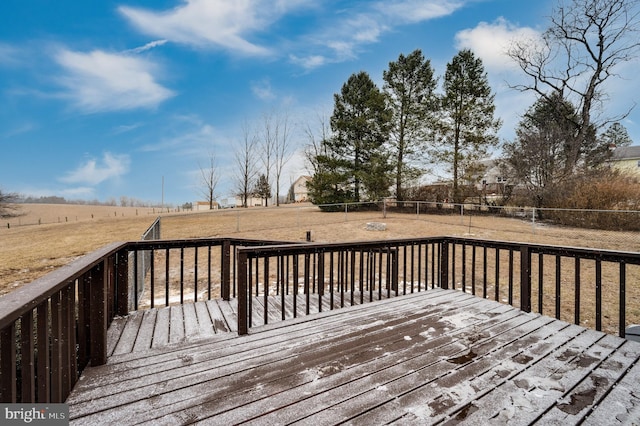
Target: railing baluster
[8, 390]
[540, 282]
[266, 289]
[56, 361]
[453, 266]
[473, 270]
[464, 268]
[510, 277]
[43, 363]
[576, 305]
[306, 282]
[598, 295]
[320, 279]
[181, 275]
[152, 285]
[623, 299]
[558, 285]
[27, 368]
[166, 278]
[497, 271]
[484, 272]
[195, 274]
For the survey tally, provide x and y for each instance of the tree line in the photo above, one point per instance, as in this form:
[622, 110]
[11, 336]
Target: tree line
[379, 142]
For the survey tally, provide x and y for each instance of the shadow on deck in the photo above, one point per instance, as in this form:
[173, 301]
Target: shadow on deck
[431, 357]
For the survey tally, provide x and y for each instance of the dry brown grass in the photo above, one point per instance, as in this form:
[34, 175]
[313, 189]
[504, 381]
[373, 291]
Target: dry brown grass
[28, 252]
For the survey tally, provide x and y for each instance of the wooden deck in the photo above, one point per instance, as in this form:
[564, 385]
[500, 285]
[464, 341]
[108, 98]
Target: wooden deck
[440, 356]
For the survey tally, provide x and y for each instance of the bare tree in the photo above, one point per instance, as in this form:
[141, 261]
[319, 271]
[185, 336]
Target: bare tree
[246, 169]
[586, 41]
[316, 146]
[268, 145]
[7, 204]
[282, 149]
[209, 178]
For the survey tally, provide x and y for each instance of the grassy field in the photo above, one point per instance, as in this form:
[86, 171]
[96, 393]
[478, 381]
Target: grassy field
[28, 252]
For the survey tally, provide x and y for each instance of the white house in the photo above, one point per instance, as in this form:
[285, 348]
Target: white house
[299, 193]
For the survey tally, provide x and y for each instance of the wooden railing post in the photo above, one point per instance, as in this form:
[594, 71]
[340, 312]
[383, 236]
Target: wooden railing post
[243, 291]
[525, 279]
[444, 264]
[225, 271]
[122, 282]
[98, 322]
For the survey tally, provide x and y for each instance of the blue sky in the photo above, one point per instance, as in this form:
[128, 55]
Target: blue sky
[103, 99]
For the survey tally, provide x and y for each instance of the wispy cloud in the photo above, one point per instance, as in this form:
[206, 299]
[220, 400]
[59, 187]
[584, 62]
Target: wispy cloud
[102, 81]
[148, 46]
[93, 172]
[344, 34]
[212, 23]
[412, 11]
[9, 55]
[262, 89]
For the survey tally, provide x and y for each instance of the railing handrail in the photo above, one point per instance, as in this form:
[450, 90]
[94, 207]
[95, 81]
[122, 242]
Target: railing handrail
[27, 297]
[568, 251]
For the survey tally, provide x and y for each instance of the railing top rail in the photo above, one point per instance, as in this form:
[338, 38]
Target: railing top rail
[582, 252]
[328, 247]
[587, 253]
[200, 242]
[25, 298]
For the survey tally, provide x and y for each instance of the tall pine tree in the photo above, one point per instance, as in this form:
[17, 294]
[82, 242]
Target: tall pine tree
[410, 87]
[467, 127]
[355, 166]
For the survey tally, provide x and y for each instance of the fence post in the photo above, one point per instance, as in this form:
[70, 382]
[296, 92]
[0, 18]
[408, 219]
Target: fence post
[98, 323]
[242, 293]
[225, 271]
[533, 220]
[444, 264]
[525, 279]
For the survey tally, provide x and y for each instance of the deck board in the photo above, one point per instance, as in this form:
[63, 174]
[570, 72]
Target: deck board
[434, 356]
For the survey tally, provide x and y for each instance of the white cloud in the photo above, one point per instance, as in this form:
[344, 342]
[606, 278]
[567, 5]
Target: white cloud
[262, 89]
[491, 41]
[148, 46]
[308, 62]
[92, 172]
[411, 11]
[101, 81]
[206, 23]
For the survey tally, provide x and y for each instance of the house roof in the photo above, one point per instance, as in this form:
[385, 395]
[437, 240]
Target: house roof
[626, 153]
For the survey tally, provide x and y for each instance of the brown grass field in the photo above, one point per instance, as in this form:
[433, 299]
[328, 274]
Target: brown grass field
[28, 252]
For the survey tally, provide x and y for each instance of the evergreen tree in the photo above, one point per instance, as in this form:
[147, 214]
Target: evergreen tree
[616, 136]
[410, 87]
[467, 127]
[354, 161]
[263, 189]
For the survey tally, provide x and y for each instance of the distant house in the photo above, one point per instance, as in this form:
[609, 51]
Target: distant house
[626, 159]
[493, 179]
[299, 193]
[252, 201]
[199, 206]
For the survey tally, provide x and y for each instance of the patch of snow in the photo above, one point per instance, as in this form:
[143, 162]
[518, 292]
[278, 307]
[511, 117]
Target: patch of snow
[407, 337]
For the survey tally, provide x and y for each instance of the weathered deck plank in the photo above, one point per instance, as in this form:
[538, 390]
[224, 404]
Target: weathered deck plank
[440, 355]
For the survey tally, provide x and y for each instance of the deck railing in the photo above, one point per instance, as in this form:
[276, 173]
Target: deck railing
[51, 329]
[584, 286]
